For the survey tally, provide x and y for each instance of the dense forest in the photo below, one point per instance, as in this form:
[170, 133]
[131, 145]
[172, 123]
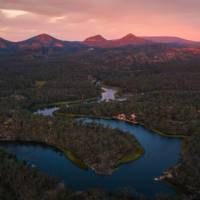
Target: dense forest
[20, 181]
[171, 113]
[103, 152]
[162, 83]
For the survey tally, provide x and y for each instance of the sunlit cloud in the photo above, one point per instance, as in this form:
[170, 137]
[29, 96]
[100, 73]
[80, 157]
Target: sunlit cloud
[56, 19]
[77, 19]
[4, 29]
[12, 13]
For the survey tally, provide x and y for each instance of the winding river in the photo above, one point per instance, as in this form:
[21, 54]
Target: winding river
[160, 154]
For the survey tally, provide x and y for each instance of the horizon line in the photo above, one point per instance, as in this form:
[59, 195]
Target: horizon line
[52, 35]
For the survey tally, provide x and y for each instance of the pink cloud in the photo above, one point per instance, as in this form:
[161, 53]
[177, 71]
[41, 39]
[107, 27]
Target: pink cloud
[77, 19]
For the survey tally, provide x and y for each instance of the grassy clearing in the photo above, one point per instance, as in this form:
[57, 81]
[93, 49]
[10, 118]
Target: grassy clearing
[39, 84]
[74, 159]
[138, 152]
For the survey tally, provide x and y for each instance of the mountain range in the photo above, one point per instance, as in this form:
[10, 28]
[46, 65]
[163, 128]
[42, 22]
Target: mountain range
[47, 41]
[129, 39]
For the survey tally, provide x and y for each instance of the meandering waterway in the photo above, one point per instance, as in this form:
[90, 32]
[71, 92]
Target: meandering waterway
[160, 154]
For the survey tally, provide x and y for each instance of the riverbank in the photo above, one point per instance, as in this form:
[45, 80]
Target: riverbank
[20, 181]
[60, 114]
[153, 146]
[130, 157]
[62, 103]
[68, 154]
[162, 133]
[108, 93]
[106, 148]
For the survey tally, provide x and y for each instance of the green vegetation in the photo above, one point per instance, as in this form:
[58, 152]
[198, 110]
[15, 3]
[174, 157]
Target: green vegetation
[183, 174]
[20, 181]
[164, 87]
[129, 158]
[40, 84]
[74, 159]
[90, 146]
[169, 113]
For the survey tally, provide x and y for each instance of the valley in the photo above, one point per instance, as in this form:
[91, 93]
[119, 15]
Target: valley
[46, 88]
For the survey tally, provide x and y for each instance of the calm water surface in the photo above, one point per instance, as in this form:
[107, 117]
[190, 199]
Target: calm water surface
[46, 111]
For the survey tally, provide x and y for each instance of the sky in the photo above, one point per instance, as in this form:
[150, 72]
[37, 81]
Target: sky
[79, 19]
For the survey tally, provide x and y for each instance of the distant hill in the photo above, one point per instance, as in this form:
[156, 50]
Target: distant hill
[130, 39]
[96, 40]
[5, 44]
[39, 41]
[169, 39]
[44, 41]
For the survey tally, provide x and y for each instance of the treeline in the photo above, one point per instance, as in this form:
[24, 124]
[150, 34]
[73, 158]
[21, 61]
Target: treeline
[42, 81]
[186, 174]
[18, 181]
[173, 113]
[163, 83]
[91, 146]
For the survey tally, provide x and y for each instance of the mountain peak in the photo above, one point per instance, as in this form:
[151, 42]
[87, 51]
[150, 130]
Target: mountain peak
[129, 36]
[44, 38]
[39, 41]
[95, 38]
[131, 39]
